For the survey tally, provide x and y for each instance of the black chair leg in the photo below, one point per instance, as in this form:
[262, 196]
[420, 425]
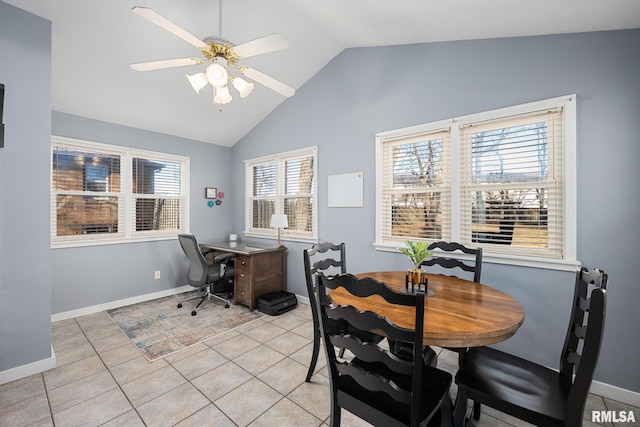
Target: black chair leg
[314, 355]
[476, 411]
[460, 408]
[446, 412]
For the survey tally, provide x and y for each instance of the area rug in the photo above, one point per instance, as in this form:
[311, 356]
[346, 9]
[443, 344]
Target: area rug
[158, 328]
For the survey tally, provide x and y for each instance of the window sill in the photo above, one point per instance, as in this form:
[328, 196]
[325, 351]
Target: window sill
[546, 263]
[102, 242]
[282, 238]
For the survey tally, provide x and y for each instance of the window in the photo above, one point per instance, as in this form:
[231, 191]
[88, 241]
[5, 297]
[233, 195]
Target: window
[282, 183]
[108, 194]
[503, 180]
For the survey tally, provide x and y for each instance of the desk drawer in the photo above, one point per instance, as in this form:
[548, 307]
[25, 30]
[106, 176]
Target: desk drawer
[243, 266]
[242, 291]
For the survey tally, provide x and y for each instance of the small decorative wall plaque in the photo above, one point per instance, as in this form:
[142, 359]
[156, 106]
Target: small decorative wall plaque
[211, 193]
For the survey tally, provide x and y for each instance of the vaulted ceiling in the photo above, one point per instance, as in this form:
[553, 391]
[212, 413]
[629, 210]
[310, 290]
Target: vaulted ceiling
[95, 41]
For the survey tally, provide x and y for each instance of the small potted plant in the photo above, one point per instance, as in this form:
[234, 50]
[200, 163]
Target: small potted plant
[417, 252]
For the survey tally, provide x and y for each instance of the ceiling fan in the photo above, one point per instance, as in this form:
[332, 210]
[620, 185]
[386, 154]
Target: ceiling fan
[222, 56]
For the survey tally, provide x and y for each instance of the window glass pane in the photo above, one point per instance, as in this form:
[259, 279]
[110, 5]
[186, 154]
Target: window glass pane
[510, 154]
[417, 164]
[76, 170]
[156, 177]
[86, 215]
[158, 214]
[261, 213]
[264, 180]
[511, 217]
[299, 176]
[416, 215]
[299, 211]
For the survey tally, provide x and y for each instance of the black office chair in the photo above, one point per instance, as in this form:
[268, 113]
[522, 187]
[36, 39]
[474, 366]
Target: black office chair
[375, 384]
[204, 275]
[327, 258]
[534, 393]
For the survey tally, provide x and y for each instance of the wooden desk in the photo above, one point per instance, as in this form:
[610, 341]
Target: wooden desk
[460, 313]
[258, 269]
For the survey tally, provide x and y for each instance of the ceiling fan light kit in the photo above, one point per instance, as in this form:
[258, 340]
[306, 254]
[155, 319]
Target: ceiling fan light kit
[242, 86]
[198, 81]
[217, 74]
[221, 95]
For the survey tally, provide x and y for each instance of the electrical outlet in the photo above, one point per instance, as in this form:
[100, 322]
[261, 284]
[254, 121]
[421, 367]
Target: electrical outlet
[157, 275]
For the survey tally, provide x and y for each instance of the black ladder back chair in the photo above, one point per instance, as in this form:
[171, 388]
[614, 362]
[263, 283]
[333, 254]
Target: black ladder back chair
[458, 266]
[474, 266]
[534, 393]
[330, 259]
[375, 384]
[204, 275]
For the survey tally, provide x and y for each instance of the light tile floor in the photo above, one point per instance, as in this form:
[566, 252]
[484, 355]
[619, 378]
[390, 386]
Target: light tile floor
[251, 376]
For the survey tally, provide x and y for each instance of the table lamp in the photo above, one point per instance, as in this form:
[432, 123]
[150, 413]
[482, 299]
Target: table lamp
[279, 221]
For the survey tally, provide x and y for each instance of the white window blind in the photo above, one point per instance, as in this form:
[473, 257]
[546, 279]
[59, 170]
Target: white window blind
[512, 184]
[503, 180]
[282, 183]
[262, 201]
[157, 196]
[416, 195]
[104, 194]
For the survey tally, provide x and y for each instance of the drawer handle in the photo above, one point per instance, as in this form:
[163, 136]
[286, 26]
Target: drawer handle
[242, 275]
[242, 262]
[242, 293]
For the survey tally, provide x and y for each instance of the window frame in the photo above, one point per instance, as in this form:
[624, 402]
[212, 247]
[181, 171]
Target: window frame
[280, 160]
[568, 260]
[126, 196]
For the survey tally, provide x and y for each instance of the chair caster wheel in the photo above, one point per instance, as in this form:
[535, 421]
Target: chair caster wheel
[180, 305]
[226, 305]
[193, 313]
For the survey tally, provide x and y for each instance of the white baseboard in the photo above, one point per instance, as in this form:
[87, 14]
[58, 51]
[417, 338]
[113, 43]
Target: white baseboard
[304, 300]
[50, 362]
[120, 303]
[616, 393]
[29, 369]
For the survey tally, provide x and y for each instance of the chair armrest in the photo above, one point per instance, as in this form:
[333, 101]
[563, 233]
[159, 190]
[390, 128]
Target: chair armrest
[205, 250]
[223, 257]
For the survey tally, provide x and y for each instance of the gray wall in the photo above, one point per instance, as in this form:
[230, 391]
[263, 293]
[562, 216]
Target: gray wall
[25, 266]
[86, 276]
[368, 90]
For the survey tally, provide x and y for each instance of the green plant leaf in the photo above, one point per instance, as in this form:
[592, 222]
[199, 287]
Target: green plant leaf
[417, 252]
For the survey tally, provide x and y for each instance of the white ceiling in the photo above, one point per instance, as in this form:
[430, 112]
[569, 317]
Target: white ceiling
[95, 41]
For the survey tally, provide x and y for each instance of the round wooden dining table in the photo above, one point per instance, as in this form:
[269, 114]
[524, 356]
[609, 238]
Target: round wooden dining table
[460, 313]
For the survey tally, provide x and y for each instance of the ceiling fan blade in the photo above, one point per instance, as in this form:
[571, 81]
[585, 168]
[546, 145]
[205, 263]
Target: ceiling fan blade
[167, 63]
[262, 45]
[267, 81]
[161, 21]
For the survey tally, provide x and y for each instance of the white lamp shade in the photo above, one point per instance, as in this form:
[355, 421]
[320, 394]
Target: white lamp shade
[217, 75]
[279, 221]
[242, 86]
[222, 95]
[198, 81]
